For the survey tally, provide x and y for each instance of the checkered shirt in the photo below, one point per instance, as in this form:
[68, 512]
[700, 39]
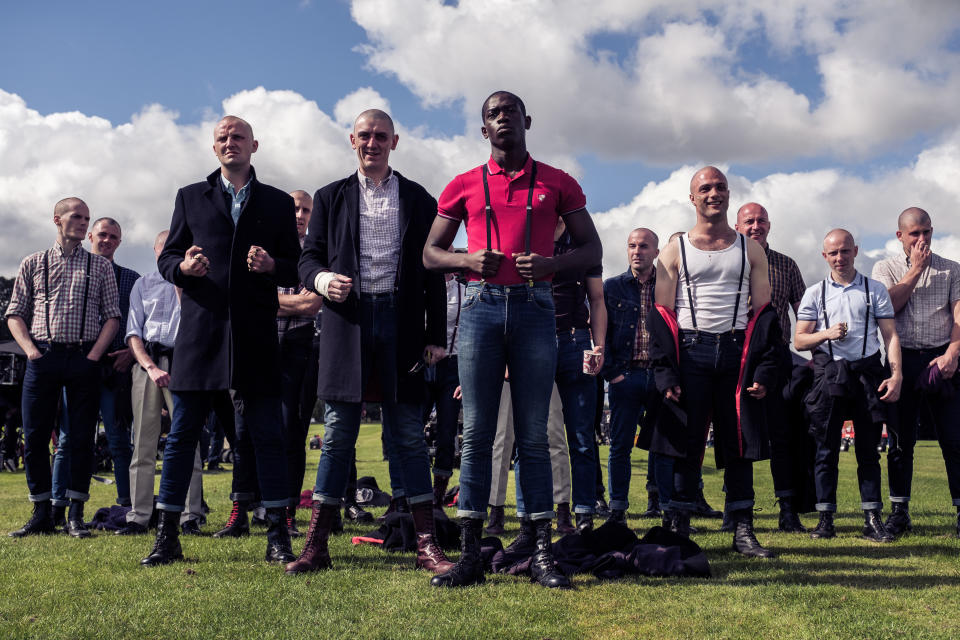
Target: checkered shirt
[926, 320]
[379, 233]
[65, 298]
[125, 281]
[641, 346]
[786, 287]
[289, 323]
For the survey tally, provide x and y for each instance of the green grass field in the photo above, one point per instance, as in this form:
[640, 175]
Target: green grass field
[57, 587]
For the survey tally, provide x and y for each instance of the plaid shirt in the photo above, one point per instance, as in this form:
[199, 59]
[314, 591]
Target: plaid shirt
[379, 233]
[926, 320]
[641, 346]
[125, 281]
[64, 300]
[786, 287]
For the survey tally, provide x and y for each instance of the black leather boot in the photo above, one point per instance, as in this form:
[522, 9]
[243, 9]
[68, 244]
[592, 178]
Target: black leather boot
[873, 528]
[397, 505]
[653, 505]
[617, 515]
[601, 508]
[744, 540]
[439, 490]
[292, 522]
[703, 508]
[899, 521]
[543, 569]
[39, 523]
[468, 570]
[60, 517]
[238, 523]
[824, 528]
[677, 522]
[789, 520]
[526, 542]
[315, 555]
[355, 513]
[564, 524]
[584, 522]
[727, 523]
[75, 525]
[496, 521]
[166, 547]
[278, 538]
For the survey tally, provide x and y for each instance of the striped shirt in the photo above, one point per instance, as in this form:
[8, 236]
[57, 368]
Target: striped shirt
[926, 320]
[125, 281]
[641, 346]
[379, 233]
[154, 310]
[786, 287]
[63, 304]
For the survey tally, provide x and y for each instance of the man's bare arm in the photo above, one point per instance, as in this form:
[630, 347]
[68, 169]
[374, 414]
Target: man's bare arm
[668, 271]
[20, 333]
[759, 275]
[306, 303]
[891, 386]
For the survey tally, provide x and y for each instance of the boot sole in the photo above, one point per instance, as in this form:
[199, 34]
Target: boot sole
[159, 564]
[297, 572]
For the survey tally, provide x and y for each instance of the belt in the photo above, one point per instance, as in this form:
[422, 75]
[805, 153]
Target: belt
[707, 336]
[386, 295]
[65, 346]
[640, 364]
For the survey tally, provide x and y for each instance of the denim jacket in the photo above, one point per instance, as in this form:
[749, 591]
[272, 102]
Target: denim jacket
[621, 294]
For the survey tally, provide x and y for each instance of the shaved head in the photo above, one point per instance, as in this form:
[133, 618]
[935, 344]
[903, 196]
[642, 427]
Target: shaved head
[704, 174]
[299, 193]
[67, 203]
[231, 120]
[644, 230]
[912, 216]
[161, 239]
[375, 114]
[839, 237]
[507, 94]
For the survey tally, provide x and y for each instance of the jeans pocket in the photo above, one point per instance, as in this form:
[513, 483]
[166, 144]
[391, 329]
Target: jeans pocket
[543, 300]
[470, 301]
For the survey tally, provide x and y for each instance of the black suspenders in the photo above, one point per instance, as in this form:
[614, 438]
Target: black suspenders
[488, 210]
[866, 318]
[686, 277]
[46, 294]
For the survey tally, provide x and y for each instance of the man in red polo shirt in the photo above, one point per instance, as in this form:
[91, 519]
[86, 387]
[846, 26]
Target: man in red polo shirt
[510, 206]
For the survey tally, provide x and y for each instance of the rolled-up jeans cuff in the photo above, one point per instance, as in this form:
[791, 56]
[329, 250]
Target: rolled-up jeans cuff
[47, 495]
[584, 509]
[871, 506]
[442, 473]
[274, 504]
[738, 505]
[619, 505]
[902, 499]
[322, 499]
[473, 515]
[674, 505]
[956, 502]
[76, 495]
[57, 502]
[423, 497]
[784, 493]
[543, 515]
[242, 497]
[175, 508]
[830, 507]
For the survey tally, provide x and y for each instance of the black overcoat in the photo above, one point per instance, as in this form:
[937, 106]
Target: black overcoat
[333, 244]
[228, 322]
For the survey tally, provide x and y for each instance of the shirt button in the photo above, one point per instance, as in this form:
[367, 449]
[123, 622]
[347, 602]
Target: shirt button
[631, 326]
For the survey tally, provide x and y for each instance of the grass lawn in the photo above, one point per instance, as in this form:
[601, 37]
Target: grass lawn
[57, 587]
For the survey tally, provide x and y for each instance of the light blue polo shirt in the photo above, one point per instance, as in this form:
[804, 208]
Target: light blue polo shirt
[848, 304]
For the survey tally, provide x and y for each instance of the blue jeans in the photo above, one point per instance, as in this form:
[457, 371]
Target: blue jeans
[628, 399]
[501, 326]
[59, 371]
[440, 393]
[826, 471]
[258, 418]
[402, 425]
[578, 397]
[709, 371]
[295, 351]
[118, 439]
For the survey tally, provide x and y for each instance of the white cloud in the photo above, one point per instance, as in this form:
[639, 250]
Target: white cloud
[686, 90]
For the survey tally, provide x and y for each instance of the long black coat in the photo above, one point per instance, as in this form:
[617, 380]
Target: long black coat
[333, 244]
[228, 321]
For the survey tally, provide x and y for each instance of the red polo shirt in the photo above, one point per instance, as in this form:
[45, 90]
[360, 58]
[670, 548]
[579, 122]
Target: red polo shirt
[555, 194]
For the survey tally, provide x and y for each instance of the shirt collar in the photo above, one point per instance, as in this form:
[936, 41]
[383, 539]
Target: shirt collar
[493, 168]
[59, 249]
[368, 183]
[856, 282]
[651, 278]
[229, 188]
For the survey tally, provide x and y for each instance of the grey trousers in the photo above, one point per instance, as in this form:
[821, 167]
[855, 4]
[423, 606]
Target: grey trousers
[148, 399]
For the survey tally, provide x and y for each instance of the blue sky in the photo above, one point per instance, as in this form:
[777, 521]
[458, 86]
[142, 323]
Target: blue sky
[836, 115]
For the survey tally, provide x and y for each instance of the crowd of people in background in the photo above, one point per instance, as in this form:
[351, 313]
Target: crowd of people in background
[519, 330]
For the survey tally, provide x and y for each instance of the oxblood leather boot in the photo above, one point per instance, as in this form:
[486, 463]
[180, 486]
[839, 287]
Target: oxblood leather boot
[824, 528]
[166, 548]
[439, 490]
[237, 523]
[278, 538]
[873, 528]
[899, 521]
[653, 506]
[495, 524]
[429, 554]
[315, 555]
[744, 540]
[543, 569]
[789, 520]
[39, 523]
[75, 525]
[469, 568]
[564, 525]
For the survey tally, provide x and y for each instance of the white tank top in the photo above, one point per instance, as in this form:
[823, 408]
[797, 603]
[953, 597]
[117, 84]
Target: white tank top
[714, 284]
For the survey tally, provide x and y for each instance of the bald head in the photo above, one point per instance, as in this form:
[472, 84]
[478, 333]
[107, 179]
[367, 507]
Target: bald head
[912, 216]
[706, 173]
[302, 209]
[67, 204]
[642, 250]
[160, 242]
[840, 250]
[371, 115]
[229, 120]
[838, 236]
[710, 195]
[753, 222]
